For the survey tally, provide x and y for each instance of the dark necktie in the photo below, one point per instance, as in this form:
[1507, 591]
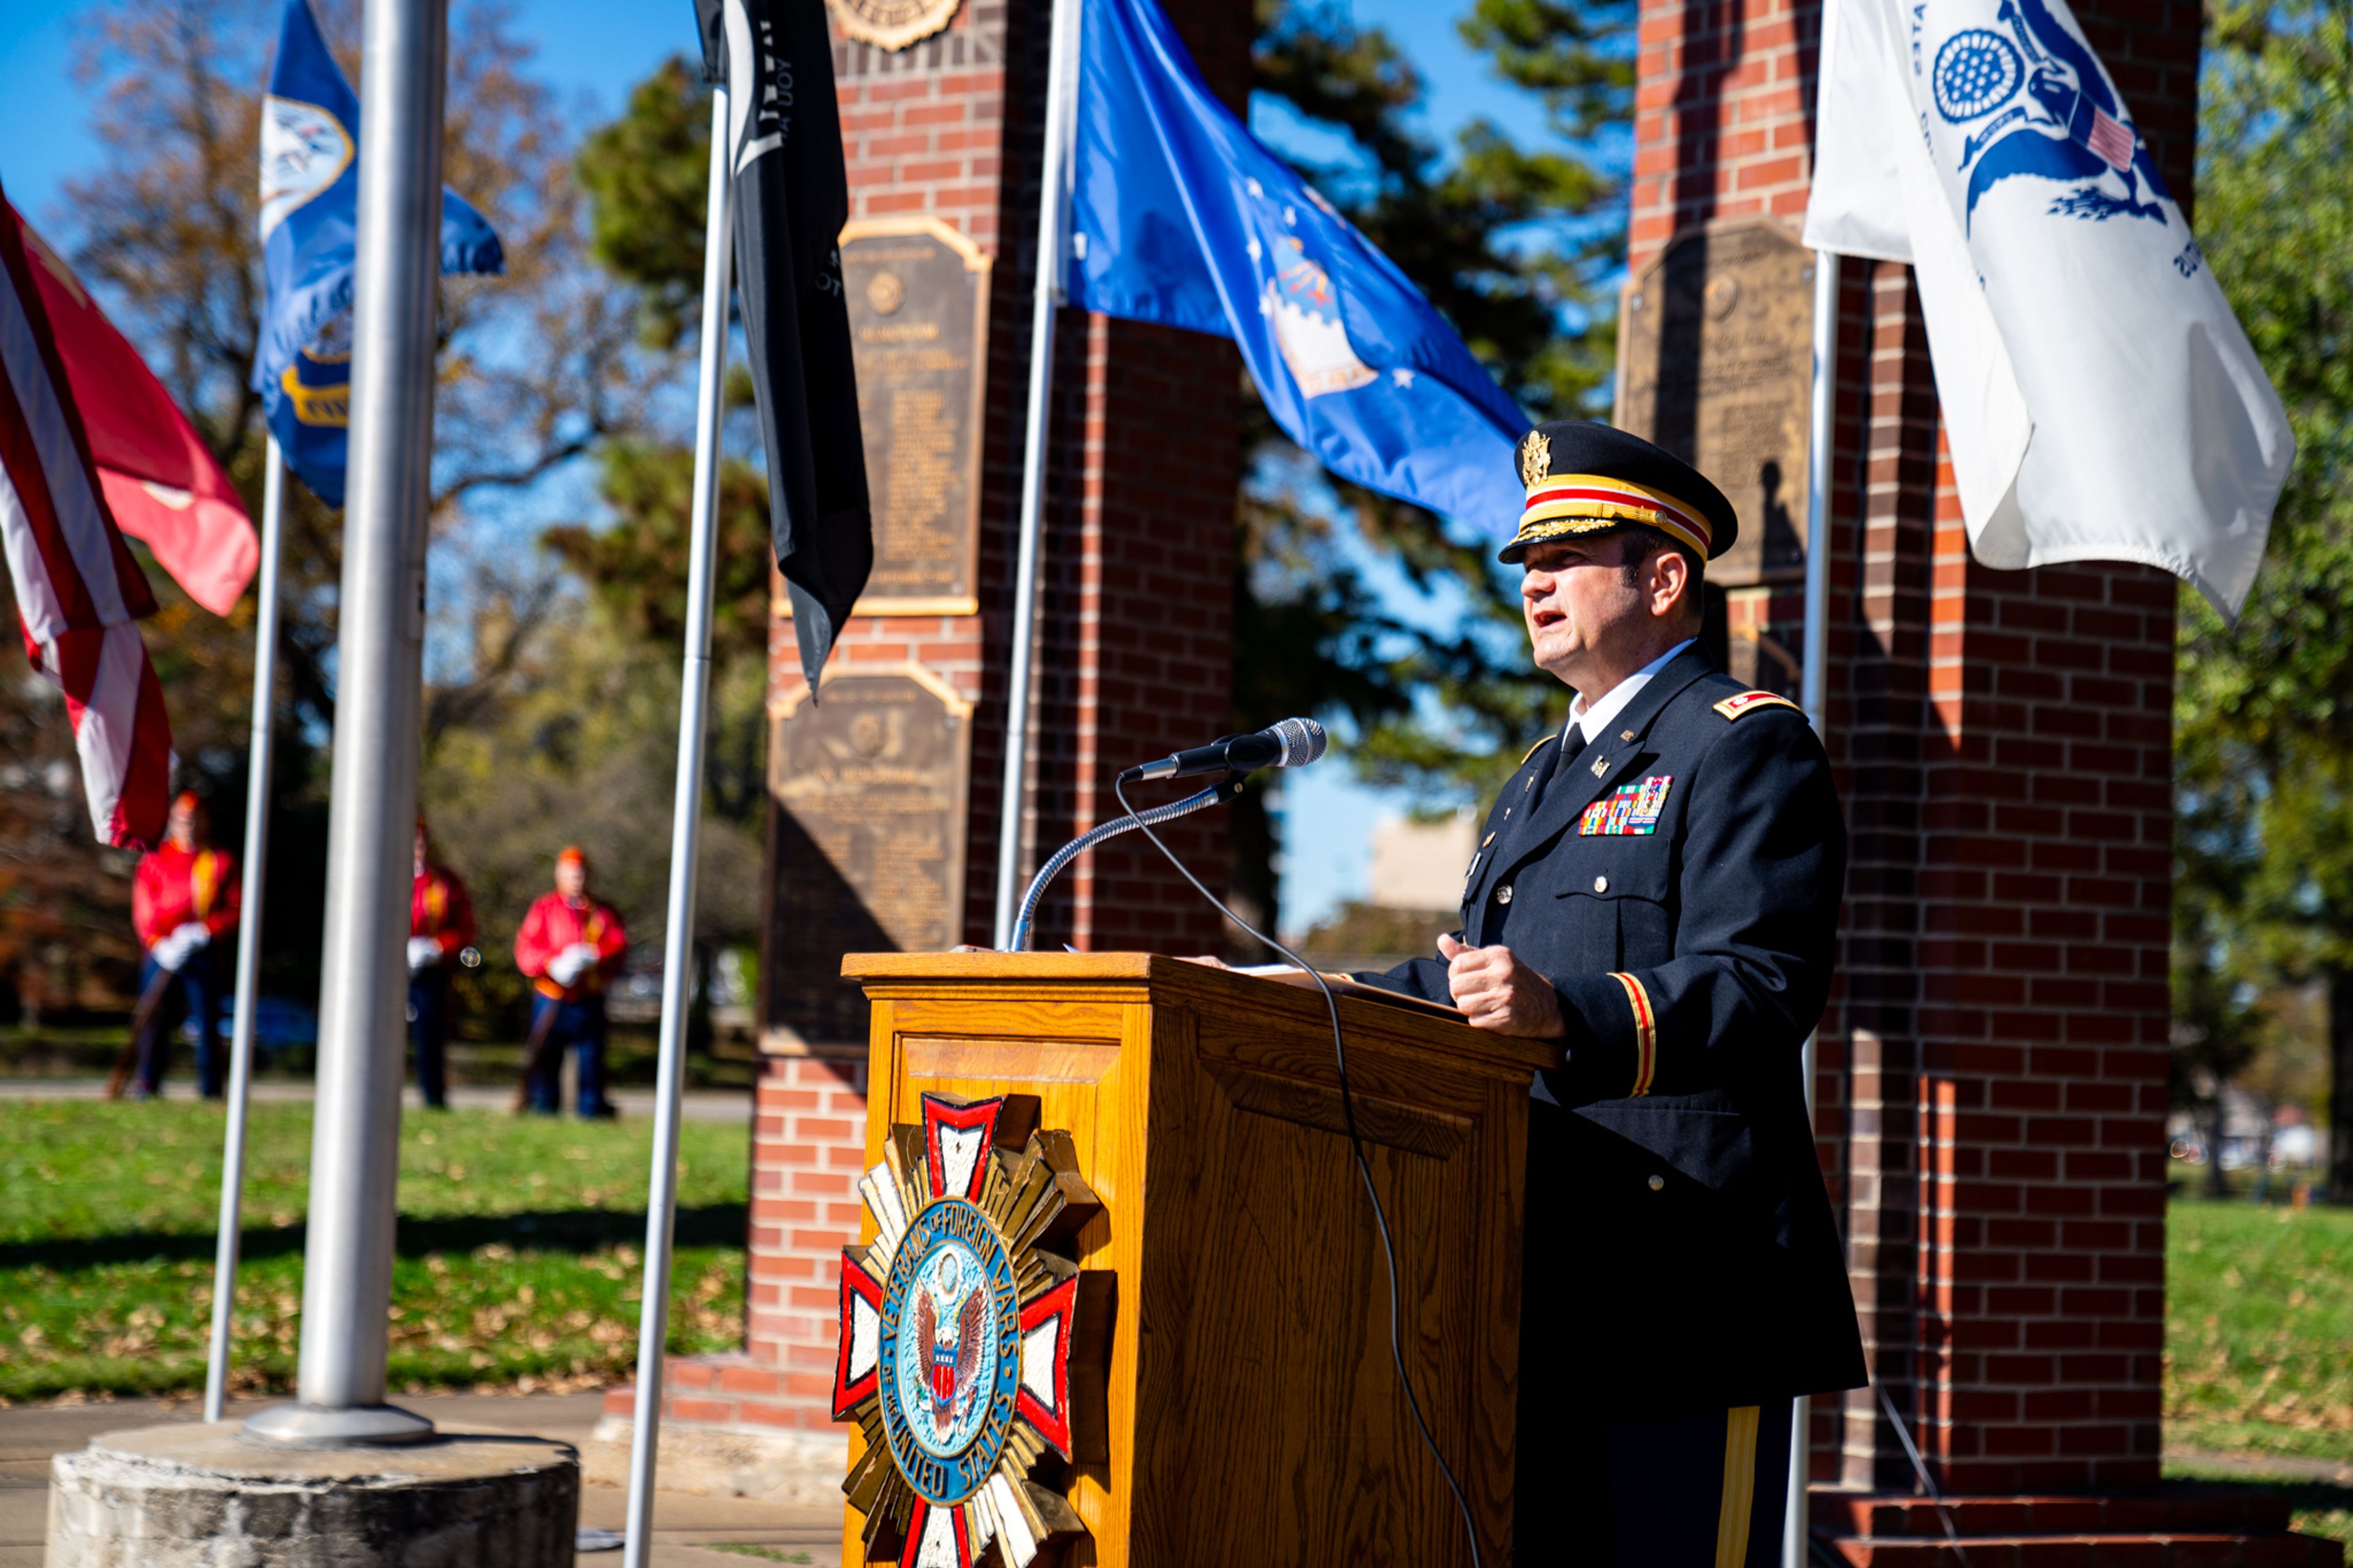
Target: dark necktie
[1571, 744]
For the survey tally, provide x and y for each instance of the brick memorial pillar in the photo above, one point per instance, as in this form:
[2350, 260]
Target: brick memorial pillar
[885, 791]
[1992, 1072]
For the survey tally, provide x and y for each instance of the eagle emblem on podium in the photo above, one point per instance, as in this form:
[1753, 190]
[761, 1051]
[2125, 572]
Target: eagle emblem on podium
[956, 1336]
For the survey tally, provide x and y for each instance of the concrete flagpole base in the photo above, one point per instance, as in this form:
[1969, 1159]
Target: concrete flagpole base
[207, 1496]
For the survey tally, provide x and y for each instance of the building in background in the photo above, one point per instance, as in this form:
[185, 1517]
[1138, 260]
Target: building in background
[1418, 865]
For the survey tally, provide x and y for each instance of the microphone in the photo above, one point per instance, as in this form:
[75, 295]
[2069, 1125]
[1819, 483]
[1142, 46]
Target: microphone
[1292, 743]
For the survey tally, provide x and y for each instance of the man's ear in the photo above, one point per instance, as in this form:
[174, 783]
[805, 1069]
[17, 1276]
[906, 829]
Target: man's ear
[1672, 584]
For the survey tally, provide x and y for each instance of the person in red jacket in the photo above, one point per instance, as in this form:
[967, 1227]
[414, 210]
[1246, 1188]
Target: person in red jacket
[440, 927]
[184, 903]
[569, 946]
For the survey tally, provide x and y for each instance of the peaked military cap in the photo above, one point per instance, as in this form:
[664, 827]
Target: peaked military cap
[1585, 478]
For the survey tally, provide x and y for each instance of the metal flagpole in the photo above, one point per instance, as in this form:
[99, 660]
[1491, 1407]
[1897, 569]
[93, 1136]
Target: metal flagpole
[1053, 203]
[249, 930]
[371, 835]
[686, 828]
[1815, 696]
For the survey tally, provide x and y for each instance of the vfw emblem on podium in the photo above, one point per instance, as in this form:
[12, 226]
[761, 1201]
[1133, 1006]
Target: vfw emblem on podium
[956, 1335]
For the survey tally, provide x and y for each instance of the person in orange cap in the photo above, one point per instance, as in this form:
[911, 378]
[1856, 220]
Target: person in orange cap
[440, 926]
[570, 946]
[183, 901]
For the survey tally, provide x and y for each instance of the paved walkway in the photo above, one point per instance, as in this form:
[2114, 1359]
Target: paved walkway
[2265, 1467]
[732, 1105]
[685, 1526]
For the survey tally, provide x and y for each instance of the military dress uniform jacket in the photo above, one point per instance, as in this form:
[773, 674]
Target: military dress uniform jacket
[1678, 882]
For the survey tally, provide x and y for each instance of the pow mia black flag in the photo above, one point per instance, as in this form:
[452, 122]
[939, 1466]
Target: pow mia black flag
[776, 58]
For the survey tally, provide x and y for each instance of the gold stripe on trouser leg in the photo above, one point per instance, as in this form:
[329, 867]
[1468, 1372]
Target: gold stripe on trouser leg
[1739, 1486]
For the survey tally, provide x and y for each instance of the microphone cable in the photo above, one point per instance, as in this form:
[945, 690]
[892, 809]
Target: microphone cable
[1355, 1147]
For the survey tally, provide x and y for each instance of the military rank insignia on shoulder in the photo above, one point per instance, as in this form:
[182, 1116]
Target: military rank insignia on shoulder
[1749, 702]
[1628, 809]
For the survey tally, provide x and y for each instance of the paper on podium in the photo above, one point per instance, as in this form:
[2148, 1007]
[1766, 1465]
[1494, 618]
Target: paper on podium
[1348, 986]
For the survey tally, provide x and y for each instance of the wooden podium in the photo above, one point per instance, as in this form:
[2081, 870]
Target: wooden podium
[1252, 1412]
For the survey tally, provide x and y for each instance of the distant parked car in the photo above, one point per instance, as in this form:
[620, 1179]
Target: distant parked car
[278, 1023]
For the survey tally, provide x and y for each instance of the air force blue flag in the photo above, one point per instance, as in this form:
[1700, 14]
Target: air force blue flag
[1179, 215]
[2100, 401]
[309, 216]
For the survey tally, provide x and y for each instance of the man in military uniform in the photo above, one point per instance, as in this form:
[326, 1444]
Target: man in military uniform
[440, 927]
[1657, 888]
[569, 947]
[184, 905]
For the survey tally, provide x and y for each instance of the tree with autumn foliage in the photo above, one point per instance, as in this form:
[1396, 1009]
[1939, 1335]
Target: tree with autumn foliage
[538, 368]
[2263, 709]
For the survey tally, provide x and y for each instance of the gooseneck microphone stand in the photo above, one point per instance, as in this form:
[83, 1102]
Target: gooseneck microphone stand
[1226, 787]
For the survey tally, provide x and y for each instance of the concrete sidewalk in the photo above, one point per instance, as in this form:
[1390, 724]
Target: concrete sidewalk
[730, 1105]
[686, 1526]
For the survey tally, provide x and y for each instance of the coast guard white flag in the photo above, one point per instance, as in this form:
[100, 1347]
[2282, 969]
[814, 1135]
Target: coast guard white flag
[2099, 398]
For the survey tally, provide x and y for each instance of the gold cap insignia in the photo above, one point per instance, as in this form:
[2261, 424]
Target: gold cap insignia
[1535, 457]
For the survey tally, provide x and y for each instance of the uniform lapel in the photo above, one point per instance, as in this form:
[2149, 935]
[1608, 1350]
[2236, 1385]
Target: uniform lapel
[1578, 784]
[1503, 824]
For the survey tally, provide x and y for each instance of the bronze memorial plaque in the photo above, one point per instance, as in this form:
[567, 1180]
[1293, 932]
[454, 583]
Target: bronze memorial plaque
[869, 839]
[919, 322]
[1714, 363]
[892, 24]
[869, 845]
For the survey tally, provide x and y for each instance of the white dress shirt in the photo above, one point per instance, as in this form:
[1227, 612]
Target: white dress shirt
[1594, 718]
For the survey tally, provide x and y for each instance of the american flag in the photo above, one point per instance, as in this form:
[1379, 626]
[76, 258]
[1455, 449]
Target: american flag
[79, 593]
[2111, 139]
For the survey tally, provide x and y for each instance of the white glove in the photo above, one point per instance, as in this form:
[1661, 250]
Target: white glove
[424, 951]
[567, 966]
[173, 951]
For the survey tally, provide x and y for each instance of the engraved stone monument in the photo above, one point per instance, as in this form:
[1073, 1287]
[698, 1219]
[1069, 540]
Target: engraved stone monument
[1714, 363]
[869, 853]
[918, 320]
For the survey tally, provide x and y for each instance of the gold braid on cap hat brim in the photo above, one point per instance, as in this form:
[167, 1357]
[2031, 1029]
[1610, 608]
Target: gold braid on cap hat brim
[1564, 504]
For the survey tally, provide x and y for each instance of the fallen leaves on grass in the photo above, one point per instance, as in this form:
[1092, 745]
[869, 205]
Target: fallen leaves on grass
[547, 1298]
[2258, 1330]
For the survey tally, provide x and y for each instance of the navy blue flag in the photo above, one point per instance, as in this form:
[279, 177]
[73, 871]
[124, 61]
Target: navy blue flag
[1179, 215]
[310, 219]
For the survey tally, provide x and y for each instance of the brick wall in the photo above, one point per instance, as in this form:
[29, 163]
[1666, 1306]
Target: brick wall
[1136, 594]
[1993, 1069]
[1134, 642]
[1138, 612]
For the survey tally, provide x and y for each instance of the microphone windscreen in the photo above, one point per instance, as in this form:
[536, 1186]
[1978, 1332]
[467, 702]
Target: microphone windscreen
[1303, 742]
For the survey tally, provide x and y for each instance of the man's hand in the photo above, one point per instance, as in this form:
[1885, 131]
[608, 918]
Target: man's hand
[1499, 991]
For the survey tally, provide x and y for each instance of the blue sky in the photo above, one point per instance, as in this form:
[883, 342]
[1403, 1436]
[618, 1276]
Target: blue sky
[593, 51]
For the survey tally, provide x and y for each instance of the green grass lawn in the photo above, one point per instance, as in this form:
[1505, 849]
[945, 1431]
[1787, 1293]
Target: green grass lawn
[91, 1049]
[2258, 1330]
[517, 1258]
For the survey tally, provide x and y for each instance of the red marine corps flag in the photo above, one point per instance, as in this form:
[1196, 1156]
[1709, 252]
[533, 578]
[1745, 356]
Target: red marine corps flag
[163, 487]
[79, 595]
